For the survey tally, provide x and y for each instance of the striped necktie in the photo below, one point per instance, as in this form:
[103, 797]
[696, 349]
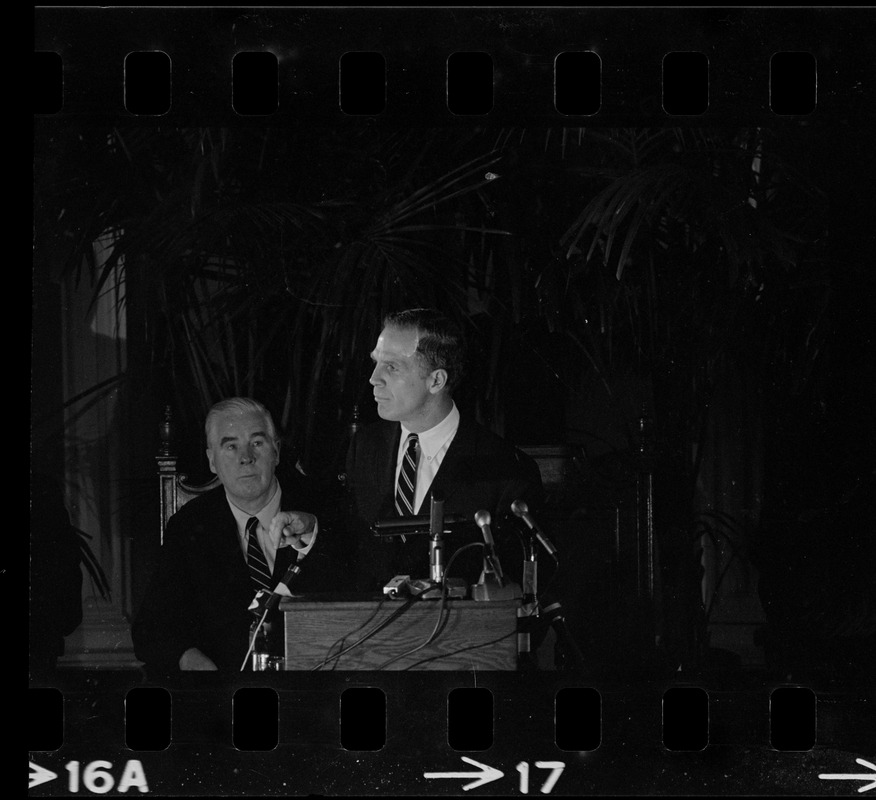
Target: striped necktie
[259, 571]
[407, 479]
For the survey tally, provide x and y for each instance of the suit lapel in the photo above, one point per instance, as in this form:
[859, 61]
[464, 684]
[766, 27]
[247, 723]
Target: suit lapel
[386, 455]
[229, 539]
[455, 469]
[389, 454]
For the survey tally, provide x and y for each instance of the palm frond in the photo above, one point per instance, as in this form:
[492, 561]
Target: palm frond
[92, 566]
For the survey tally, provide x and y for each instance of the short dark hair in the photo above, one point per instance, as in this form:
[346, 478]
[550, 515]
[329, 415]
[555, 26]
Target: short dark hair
[440, 344]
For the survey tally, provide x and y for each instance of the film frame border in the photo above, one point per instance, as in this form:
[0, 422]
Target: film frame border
[629, 94]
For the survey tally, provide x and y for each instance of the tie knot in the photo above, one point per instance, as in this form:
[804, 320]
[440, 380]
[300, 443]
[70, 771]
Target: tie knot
[413, 441]
[251, 524]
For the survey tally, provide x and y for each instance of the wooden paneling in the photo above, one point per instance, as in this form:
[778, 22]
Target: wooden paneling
[475, 635]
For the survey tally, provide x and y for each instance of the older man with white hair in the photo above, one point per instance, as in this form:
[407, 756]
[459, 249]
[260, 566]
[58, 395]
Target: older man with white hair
[222, 547]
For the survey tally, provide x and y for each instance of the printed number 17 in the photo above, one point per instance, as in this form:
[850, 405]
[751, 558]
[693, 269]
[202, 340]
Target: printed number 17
[556, 768]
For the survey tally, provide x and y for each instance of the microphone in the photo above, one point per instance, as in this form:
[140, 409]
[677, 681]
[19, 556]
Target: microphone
[293, 570]
[422, 523]
[521, 510]
[436, 516]
[482, 519]
[261, 604]
[492, 585]
[436, 539]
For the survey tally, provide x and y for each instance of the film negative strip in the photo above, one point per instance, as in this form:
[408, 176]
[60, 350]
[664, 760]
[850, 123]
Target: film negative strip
[533, 708]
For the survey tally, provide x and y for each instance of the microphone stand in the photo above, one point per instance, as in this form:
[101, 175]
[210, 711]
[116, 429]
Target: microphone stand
[568, 646]
[263, 605]
[455, 586]
[531, 616]
[436, 541]
[527, 612]
[492, 584]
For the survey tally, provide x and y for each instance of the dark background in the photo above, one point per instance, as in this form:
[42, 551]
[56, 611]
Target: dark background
[813, 545]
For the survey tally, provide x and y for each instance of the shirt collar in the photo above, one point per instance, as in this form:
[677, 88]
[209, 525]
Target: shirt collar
[267, 513]
[432, 440]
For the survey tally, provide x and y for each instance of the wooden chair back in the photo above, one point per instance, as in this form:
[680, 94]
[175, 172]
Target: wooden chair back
[175, 489]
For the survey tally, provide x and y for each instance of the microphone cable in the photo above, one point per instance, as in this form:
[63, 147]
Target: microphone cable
[293, 570]
[512, 632]
[342, 639]
[441, 607]
[252, 639]
[368, 635]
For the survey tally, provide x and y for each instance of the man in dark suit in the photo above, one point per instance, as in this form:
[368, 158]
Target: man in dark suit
[195, 614]
[419, 359]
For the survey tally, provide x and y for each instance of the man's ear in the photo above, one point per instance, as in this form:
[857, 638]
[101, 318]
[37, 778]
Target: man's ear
[438, 380]
[210, 460]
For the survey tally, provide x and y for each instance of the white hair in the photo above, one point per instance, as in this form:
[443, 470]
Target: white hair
[239, 404]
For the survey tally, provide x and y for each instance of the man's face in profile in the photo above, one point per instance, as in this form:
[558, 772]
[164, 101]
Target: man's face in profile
[401, 384]
[243, 454]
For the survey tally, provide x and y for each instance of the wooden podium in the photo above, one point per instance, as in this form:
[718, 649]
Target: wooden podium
[473, 635]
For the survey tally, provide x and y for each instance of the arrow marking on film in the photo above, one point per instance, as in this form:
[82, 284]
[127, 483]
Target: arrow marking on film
[486, 775]
[865, 776]
[39, 775]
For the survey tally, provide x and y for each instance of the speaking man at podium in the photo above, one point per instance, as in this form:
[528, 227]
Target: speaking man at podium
[423, 446]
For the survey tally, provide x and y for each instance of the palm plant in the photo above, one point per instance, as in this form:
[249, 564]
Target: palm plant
[680, 269]
[266, 259]
[263, 259]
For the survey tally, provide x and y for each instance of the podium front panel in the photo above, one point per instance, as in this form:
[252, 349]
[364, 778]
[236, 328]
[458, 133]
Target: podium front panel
[375, 634]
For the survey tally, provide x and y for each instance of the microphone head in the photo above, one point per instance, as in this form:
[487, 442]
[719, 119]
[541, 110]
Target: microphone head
[482, 518]
[519, 508]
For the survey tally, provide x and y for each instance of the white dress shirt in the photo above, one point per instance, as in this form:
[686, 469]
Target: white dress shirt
[433, 447]
[269, 544]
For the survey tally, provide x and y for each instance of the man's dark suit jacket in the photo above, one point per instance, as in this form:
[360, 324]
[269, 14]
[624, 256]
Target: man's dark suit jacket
[480, 471]
[200, 592]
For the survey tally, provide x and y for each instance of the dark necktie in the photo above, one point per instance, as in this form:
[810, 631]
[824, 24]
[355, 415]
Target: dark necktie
[259, 571]
[407, 479]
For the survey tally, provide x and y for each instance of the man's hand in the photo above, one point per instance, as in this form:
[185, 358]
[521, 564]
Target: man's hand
[294, 527]
[194, 660]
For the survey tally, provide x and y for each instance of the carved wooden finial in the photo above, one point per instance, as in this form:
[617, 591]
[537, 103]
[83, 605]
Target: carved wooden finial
[165, 433]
